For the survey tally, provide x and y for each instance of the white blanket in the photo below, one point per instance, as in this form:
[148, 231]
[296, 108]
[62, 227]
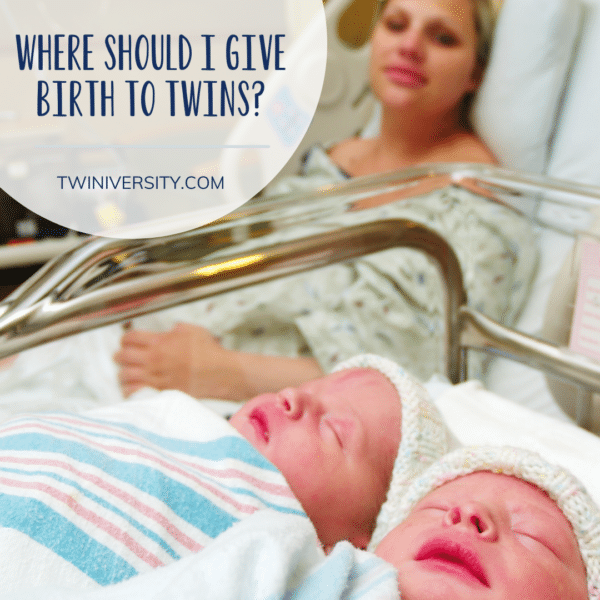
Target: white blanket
[267, 556]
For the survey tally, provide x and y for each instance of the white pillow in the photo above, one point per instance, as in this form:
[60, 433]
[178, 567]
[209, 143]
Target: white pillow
[576, 151]
[478, 417]
[517, 103]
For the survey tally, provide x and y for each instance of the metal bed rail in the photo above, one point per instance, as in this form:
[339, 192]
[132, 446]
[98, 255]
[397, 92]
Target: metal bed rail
[108, 280]
[64, 310]
[520, 190]
[480, 333]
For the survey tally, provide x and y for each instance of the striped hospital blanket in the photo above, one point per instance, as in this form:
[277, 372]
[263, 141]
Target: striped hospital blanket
[268, 556]
[99, 497]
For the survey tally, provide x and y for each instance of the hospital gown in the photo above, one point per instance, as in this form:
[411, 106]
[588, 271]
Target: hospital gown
[389, 303]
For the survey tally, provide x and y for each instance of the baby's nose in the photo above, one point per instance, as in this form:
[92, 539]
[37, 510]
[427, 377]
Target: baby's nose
[474, 517]
[293, 402]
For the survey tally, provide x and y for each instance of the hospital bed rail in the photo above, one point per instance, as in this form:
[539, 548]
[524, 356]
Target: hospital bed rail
[110, 280]
[65, 310]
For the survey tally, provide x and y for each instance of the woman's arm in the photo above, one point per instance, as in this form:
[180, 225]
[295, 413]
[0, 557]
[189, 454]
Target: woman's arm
[189, 358]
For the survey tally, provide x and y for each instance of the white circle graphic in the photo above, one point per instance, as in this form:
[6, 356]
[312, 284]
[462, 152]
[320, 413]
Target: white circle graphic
[137, 119]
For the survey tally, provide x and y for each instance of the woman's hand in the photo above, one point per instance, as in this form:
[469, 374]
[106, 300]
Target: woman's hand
[189, 358]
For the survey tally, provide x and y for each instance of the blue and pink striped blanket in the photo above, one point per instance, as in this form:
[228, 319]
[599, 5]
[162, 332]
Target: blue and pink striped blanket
[94, 499]
[268, 556]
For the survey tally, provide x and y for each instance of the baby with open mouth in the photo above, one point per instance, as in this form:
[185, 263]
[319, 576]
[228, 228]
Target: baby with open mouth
[346, 440]
[498, 523]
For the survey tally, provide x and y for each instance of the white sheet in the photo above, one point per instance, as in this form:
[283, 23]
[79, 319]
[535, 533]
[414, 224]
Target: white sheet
[75, 374]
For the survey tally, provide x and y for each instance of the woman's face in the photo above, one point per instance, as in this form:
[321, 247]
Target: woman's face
[424, 54]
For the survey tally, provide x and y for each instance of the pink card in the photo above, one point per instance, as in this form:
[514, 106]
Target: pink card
[585, 330]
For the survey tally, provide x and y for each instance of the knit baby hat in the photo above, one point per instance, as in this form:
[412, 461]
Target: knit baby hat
[560, 485]
[424, 435]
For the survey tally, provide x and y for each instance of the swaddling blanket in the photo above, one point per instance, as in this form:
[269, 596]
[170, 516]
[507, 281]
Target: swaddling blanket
[267, 556]
[97, 498]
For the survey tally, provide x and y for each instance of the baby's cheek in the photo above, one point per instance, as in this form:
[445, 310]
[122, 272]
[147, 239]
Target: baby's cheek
[548, 580]
[301, 473]
[562, 587]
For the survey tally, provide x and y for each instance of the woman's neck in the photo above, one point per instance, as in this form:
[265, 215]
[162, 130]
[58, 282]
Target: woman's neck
[412, 137]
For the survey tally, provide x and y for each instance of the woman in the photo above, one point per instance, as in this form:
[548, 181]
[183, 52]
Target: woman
[428, 58]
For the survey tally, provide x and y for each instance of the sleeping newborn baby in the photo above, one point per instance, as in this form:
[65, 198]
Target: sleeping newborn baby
[335, 439]
[498, 523]
[97, 498]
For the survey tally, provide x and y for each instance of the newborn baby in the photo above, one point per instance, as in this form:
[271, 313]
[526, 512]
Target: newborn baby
[336, 440]
[96, 498]
[497, 523]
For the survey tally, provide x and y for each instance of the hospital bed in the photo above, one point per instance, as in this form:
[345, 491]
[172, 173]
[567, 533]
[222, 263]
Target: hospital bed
[551, 157]
[549, 147]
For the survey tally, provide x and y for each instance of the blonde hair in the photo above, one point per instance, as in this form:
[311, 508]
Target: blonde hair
[485, 21]
[484, 13]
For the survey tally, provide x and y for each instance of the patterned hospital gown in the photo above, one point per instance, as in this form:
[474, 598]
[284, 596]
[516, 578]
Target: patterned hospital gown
[389, 303]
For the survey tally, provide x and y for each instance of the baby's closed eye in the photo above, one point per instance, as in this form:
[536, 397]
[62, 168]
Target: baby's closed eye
[433, 508]
[332, 430]
[534, 541]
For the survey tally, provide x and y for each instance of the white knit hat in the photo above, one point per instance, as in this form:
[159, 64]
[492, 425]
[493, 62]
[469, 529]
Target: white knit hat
[424, 435]
[568, 493]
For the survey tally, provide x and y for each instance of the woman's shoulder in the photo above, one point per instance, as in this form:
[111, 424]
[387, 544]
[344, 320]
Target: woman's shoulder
[360, 156]
[346, 153]
[354, 155]
[466, 147]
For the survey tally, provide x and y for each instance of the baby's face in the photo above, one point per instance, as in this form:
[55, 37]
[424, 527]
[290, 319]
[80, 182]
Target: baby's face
[335, 440]
[486, 535]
